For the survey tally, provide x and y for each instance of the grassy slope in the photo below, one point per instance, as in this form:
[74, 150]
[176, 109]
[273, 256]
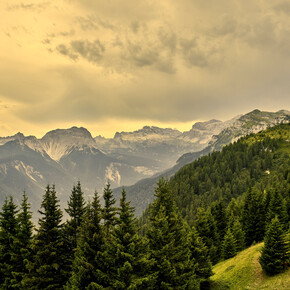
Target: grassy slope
[245, 272]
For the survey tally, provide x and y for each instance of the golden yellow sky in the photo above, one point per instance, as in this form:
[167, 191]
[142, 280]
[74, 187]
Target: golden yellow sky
[118, 65]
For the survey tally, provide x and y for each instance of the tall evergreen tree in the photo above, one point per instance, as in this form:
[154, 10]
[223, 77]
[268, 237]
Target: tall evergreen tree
[109, 211]
[253, 216]
[128, 250]
[76, 208]
[88, 271]
[275, 254]
[206, 227]
[47, 265]
[22, 244]
[169, 244]
[200, 256]
[229, 246]
[239, 235]
[8, 231]
[218, 212]
[277, 207]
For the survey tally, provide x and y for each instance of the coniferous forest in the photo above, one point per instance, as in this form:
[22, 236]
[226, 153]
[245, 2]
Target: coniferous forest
[207, 212]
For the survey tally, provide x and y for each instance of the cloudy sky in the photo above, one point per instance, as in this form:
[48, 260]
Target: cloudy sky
[120, 64]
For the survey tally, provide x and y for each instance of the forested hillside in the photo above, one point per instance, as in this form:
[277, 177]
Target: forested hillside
[259, 162]
[231, 196]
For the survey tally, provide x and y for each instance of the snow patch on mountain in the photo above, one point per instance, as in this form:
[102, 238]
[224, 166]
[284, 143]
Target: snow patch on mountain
[112, 174]
[26, 170]
[3, 169]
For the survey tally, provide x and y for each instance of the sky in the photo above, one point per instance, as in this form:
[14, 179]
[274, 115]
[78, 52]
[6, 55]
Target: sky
[117, 65]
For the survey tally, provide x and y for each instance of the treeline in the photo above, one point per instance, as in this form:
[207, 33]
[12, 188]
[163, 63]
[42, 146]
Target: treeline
[99, 247]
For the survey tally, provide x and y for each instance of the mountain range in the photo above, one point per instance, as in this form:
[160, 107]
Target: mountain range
[63, 156]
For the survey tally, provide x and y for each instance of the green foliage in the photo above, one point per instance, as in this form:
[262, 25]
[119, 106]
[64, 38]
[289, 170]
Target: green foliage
[277, 207]
[8, 231]
[239, 235]
[200, 256]
[47, 264]
[229, 246]
[169, 244]
[275, 254]
[22, 244]
[129, 252]
[88, 266]
[109, 211]
[253, 216]
[255, 159]
[206, 227]
[76, 208]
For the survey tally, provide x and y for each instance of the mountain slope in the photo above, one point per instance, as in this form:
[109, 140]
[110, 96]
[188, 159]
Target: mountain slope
[142, 193]
[22, 168]
[244, 272]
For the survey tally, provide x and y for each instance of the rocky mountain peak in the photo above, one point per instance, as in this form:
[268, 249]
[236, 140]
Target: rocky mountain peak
[205, 125]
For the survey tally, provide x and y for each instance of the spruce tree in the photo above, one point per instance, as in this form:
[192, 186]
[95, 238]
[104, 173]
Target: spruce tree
[275, 253]
[277, 207]
[46, 269]
[169, 244]
[88, 271]
[8, 231]
[253, 216]
[229, 246]
[109, 211]
[22, 244]
[128, 251]
[218, 212]
[206, 227]
[239, 235]
[76, 208]
[200, 256]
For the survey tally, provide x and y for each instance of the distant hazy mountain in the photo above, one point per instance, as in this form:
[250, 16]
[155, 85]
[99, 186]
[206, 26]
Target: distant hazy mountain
[142, 193]
[64, 156]
[160, 147]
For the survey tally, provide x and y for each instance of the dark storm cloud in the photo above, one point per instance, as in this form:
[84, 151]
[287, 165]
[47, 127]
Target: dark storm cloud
[64, 50]
[193, 55]
[91, 51]
[149, 55]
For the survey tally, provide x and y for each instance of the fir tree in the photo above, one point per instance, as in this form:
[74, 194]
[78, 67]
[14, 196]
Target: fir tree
[239, 235]
[128, 251]
[277, 207]
[219, 214]
[206, 227]
[8, 231]
[47, 265]
[109, 211]
[88, 265]
[200, 256]
[76, 208]
[22, 244]
[275, 254]
[253, 216]
[169, 244]
[229, 247]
